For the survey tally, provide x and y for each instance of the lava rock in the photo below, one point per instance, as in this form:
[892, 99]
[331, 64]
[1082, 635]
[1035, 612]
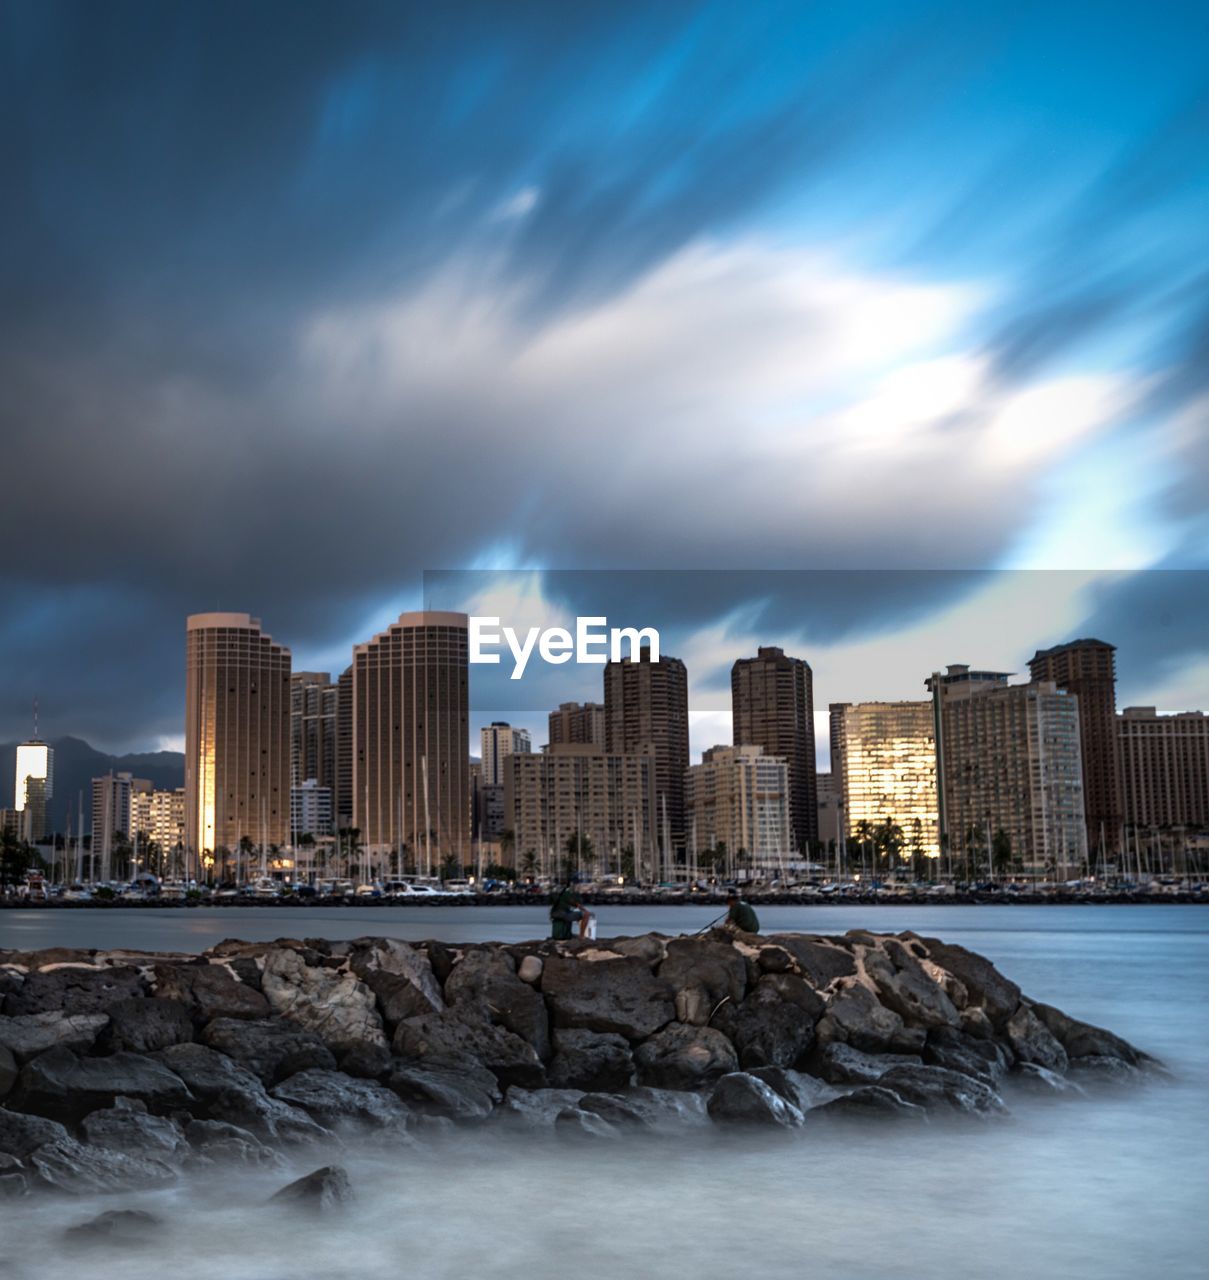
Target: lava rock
[984, 1059]
[337, 1006]
[934, 1087]
[367, 1062]
[132, 1130]
[1096, 1069]
[63, 1086]
[1030, 1077]
[459, 1088]
[590, 1060]
[486, 980]
[536, 1108]
[840, 1063]
[30, 1034]
[8, 1071]
[819, 962]
[802, 1091]
[215, 1142]
[740, 1098]
[458, 1034]
[72, 1167]
[985, 985]
[871, 1101]
[1032, 1041]
[1082, 1040]
[573, 1123]
[862, 1021]
[703, 972]
[619, 995]
[904, 986]
[20, 1134]
[209, 991]
[766, 1031]
[400, 976]
[684, 1057]
[269, 1118]
[323, 1190]
[645, 1108]
[123, 1227]
[270, 1048]
[140, 1025]
[73, 989]
[338, 1101]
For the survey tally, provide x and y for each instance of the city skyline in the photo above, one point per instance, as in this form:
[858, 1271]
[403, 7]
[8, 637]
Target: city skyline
[909, 293]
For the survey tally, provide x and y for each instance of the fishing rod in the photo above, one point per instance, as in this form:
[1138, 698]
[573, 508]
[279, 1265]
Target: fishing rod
[710, 925]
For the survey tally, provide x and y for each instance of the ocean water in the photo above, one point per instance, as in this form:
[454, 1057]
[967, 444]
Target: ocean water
[1116, 1185]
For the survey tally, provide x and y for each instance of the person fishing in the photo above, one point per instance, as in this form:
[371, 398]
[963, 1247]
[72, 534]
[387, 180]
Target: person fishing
[566, 909]
[740, 915]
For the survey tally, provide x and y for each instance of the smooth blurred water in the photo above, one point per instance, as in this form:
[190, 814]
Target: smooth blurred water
[1115, 1186]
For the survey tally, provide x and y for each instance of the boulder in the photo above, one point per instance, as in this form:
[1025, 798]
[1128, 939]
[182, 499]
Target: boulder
[72, 1167]
[802, 1091]
[573, 1123]
[1082, 1040]
[400, 976]
[739, 1098]
[20, 1134]
[1032, 1041]
[646, 1108]
[322, 1190]
[794, 990]
[861, 1021]
[367, 1062]
[205, 1071]
[590, 1060]
[536, 1108]
[125, 1228]
[818, 961]
[73, 989]
[840, 1063]
[904, 986]
[619, 995]
[270, 1048]
[337, 1006]
[30, 1034]
[868, 1101]
[338, 1101]
[209, 991]
[986, 987]
[530, 970]
[1031, 1078]
[63, 1086]
[269, 1118]
[983, 1059]
[485, 980]
[130, 1129]
[215, 1142]
[766, 1031]
[8, 1071]
[461, 1089]
[936, 1087]
[684, 1057]
[146, 1026]
[453, 1034]
[13, 1180]
[1097, 1068]
[702, 972]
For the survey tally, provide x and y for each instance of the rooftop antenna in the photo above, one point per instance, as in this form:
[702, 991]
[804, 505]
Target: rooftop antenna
[36, 738]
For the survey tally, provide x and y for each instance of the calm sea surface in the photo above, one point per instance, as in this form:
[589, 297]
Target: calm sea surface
[1115, 1186]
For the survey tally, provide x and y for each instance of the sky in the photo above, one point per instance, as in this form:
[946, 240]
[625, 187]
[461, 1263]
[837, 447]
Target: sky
[301, 301]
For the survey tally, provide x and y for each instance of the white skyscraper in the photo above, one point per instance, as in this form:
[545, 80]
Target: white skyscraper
[499, 741]
[34, 786]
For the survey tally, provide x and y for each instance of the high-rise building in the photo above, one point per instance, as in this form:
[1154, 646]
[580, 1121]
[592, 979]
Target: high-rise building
[313, 716]
[411, 739]
[578, 722]
[772, 706]
[828, 809]
[883, 762]
[1009, 760]
[343, 798]
[738, 798]
[34, 787]
[237, 734]
[1087, 668]
[112, 816]
[1164, 769]
[500, 740]
[310, 809]
[575, 790]
[646, 713]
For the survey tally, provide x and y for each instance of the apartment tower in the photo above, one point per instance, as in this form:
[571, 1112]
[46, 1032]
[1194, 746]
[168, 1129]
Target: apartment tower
[1164, 769]
[237, 734]
[411, 739]
[577, 723]
[772, 706]
[646, 712]
[1087, 668]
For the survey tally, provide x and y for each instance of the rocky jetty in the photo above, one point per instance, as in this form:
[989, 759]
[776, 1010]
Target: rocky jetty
[127, 1070]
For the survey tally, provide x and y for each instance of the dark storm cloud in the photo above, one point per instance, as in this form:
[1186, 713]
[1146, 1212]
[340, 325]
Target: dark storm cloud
[195, 188]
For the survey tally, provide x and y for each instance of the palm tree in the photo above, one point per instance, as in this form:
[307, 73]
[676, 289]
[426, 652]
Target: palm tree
[864, 835]
[507, 844]
[529, 863]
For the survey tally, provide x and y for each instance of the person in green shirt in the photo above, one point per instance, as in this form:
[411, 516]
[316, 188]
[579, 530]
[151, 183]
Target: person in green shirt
[565, 910]
[740, 918]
